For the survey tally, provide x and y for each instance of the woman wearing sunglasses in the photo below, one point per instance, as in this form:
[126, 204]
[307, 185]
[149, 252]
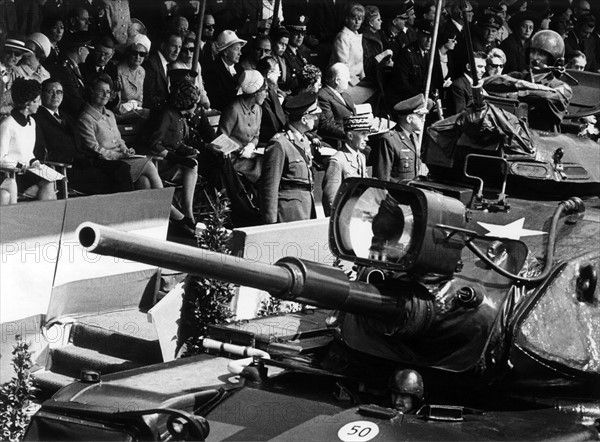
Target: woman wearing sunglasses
[130, 76]
[184, 61]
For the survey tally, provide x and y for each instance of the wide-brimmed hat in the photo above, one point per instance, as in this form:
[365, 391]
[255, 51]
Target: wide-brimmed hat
[228, 38]
[15, 43]
[42, 42]
[250, 82]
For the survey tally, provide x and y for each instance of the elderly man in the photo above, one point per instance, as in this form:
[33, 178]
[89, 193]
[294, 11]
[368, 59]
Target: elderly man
[156, 86]
[486, 37]
[397, 158]
[222, 74]
[286, 185]
[349, 161]
[335, 102]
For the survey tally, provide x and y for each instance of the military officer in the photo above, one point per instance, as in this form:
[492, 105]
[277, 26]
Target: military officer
[397, 157]
[349, 161]
[75, 48]
[486, 37]
[286, 185]
[295, 55]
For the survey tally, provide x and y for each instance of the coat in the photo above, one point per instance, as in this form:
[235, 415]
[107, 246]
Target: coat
[343, 164]
[395, 158]
[409, 74]
[348, 49]
[331, 120]
[156, 87]
[73, 85]
[461, 95]
[286, 186]
[221, 86]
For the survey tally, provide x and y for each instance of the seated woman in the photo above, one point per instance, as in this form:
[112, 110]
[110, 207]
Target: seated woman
[168, 141]
[30, 65]
[12, 52]
[99, 133]
[273, 116]
[130, 76]
[241, 122]
[17, 142]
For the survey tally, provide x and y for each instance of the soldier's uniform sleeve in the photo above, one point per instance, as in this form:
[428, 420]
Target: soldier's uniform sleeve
[272, 171]
[331, 183]
[383, 159]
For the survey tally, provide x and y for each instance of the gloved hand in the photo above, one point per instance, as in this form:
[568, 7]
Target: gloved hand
[183, 161]
[248, 151]
[186, 151]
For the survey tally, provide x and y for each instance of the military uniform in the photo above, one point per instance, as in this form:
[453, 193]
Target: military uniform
[69, 75]
[343, 164]
[294, 62]
[286, 187]
[395, 158]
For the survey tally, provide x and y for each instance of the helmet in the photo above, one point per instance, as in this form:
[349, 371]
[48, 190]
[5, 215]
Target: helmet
[550, 42]
[407, 382]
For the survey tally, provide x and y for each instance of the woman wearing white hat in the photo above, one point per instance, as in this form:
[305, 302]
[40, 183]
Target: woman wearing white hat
[241, 122]
[30, 65]
[131, 75]
[221, 77]
[14, 49]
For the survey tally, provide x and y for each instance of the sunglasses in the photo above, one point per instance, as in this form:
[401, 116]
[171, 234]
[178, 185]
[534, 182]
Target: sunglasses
[138, 53]
[209, 26]
[496, 66]
[13, 52]
[190, 49]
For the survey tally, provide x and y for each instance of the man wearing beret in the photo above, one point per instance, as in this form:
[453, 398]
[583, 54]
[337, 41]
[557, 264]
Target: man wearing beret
[397, 158]
[349, 161]
[75, 48]
[286, 185]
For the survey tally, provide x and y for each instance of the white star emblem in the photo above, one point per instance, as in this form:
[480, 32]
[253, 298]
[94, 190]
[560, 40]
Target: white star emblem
[513, 230]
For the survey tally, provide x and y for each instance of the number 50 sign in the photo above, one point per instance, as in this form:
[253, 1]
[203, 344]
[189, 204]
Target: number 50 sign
[359, 431]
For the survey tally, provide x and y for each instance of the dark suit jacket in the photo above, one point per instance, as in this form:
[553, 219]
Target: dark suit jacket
[156, 88]
[394, 157]
[462, 95]
[220, 85]
[59, 140]
[331, 121]
[73, 86]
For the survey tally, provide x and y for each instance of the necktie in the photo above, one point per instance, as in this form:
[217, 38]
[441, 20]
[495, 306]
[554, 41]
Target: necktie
[58, 118]
[361, 167]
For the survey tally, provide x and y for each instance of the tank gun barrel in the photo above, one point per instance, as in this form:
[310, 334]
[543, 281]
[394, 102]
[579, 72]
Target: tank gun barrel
[289, 278]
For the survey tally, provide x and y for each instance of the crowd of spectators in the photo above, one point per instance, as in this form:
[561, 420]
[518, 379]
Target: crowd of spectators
[100, 64]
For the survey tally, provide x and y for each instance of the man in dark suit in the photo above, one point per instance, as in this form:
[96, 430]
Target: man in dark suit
[56, 135]
[286, 185]
[222, 74]
[75, 48]
[396, 158]
[461, 88]
[156, 85]
[335, 102]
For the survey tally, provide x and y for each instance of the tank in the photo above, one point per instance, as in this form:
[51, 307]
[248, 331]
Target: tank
[493, 300]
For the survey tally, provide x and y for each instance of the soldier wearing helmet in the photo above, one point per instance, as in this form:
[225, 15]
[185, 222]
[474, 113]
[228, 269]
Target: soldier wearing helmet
[407, 390]
[539, 85]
